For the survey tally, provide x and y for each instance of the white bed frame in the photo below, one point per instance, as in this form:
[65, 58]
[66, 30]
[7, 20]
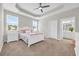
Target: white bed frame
[31, 39]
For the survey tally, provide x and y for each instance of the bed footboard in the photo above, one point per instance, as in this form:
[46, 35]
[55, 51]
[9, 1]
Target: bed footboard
[35, 38]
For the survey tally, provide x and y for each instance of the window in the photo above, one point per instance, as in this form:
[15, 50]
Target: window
[12, 22]
[35, 25]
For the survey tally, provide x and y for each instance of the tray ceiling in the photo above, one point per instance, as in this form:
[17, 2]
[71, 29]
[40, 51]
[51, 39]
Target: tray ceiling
[29, 8]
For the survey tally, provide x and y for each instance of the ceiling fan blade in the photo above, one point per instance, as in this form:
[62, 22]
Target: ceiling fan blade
[36, 8]
[40, 4]
[41, 10]
[45, 6]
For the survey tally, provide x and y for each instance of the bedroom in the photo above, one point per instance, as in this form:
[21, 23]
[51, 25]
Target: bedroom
[46, 29]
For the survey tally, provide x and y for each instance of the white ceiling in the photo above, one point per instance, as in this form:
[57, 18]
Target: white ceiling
[29, 8]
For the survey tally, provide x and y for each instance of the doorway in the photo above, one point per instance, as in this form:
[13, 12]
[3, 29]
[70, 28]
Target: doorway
[68, 28]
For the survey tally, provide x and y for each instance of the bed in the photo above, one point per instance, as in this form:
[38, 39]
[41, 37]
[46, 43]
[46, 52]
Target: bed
[30, 37]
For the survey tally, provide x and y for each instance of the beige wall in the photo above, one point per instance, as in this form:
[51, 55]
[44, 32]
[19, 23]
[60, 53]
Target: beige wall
[23, 21]
[44, 22]
[1, 28]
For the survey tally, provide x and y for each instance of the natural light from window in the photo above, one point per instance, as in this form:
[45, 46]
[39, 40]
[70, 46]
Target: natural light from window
[35, 25]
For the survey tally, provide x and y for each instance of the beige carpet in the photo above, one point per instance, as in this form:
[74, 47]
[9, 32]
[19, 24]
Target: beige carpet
[48, 47]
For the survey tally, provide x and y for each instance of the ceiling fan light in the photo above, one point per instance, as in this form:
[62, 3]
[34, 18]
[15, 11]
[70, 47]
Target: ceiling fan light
[40, 8]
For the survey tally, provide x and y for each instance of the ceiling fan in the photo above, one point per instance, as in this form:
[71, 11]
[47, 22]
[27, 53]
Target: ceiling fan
[41, 7]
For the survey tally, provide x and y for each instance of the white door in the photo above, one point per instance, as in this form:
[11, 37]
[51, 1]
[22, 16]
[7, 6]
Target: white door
[53, 29]
[12, 28]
